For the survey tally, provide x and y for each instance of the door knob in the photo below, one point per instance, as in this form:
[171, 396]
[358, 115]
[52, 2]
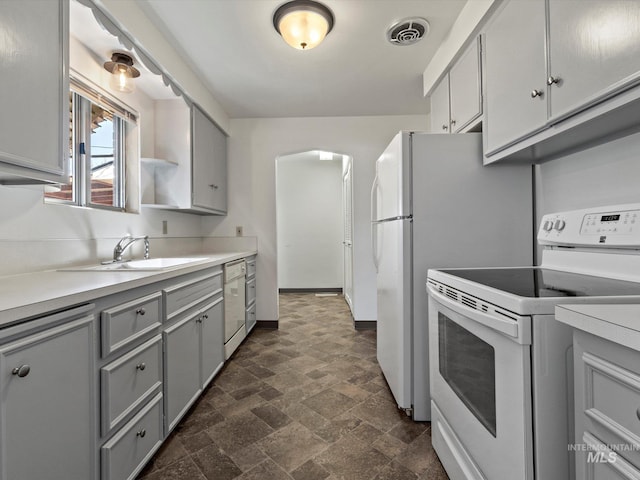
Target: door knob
[536, 93]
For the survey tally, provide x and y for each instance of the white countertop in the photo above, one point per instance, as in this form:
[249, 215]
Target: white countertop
[616, 323]
[31, 294]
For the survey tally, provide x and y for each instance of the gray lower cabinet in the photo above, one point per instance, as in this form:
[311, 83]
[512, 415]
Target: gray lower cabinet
[124, 455]
[607, 408]
[212, 340]
[47, 413]
[70, 410]
[181, 368]
[250, 296]
[193, 355]
[34, 118]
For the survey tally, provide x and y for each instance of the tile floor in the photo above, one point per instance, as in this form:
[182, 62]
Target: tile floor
[304, 402]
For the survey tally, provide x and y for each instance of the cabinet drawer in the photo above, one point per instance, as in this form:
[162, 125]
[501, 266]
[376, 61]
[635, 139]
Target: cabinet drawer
[127, 452]
[125, 323]
[251, 267]
[129, 381]
[181, 297]
[251, 292]
[612, 401]
[250, 320]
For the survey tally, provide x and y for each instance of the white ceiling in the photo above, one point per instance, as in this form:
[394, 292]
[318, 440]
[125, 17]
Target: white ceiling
[248, 68]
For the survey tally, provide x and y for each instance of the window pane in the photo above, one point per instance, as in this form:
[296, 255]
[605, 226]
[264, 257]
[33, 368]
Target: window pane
[102, 158]
[64, 191]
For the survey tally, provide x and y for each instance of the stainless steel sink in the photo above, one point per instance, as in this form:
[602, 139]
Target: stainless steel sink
[148, 265]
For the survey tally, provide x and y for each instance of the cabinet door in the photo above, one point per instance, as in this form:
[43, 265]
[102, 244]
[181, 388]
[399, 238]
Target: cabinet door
[515, 68]
[47, 414]
[594, 50]
[182, 368]
[209, 163]
[34, 118]
[465, 89]
[440, 107]
[212, 340]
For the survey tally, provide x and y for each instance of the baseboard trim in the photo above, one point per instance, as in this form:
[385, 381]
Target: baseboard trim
[364, 324]
[270, 324]
[310, 290]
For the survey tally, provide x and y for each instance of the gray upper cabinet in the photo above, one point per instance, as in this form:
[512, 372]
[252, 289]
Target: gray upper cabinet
[47, 414]
[194, 177]
[209, 157]
[556, 66]
[515, 73]
[440, 107]
[34, 118]
[465, 88]
[457, 100]
[594, 51]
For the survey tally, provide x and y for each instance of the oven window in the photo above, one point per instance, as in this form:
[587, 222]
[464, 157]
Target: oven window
[467, 363]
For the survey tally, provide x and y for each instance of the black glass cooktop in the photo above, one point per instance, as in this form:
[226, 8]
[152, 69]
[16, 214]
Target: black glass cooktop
[538, 282]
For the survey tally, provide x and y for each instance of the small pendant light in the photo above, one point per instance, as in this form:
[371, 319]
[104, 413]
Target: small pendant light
[303, 24]
[123, 72]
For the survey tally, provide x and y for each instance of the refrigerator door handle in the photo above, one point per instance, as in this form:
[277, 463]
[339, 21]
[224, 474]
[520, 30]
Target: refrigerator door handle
[374, 243]
[374, 187]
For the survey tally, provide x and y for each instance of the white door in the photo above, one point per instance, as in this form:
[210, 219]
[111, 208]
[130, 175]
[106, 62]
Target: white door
[388, 197]
[394, 308]
[347, 215]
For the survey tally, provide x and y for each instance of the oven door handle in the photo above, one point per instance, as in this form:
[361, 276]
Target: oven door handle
[507, 327]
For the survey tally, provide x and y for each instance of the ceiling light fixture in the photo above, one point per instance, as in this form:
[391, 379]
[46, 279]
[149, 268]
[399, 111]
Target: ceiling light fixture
[303, 24]
[123, 72]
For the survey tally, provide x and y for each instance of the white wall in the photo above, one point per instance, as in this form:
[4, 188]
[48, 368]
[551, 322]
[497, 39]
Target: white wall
[254, 146]
[310, 221]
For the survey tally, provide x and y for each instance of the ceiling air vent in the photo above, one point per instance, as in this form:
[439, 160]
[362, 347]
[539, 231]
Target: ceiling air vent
[408, 31]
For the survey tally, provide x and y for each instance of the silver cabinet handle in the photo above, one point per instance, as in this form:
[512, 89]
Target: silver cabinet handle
[21, 371]
[213, 185]
[638, 413]
[140, 311]
[444, 127]
[141, 366]
[205, 316]
[536, 93]
[141, 433]
[453, 122]
[553, 80]
[199, 320]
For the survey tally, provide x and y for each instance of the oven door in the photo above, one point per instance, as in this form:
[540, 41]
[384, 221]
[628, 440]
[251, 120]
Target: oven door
[481, 390]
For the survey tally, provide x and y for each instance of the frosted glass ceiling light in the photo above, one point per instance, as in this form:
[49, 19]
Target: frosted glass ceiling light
[123, 72]
[303, 24]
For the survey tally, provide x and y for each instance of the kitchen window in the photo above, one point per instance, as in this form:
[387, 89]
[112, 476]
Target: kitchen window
[98, 151]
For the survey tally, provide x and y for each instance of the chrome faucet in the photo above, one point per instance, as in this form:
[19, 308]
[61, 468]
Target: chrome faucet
[125, 242]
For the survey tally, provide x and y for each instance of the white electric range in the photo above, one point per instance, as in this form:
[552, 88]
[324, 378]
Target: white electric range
[501, 365]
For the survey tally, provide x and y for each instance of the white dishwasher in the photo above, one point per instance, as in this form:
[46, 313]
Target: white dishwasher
[234, 306]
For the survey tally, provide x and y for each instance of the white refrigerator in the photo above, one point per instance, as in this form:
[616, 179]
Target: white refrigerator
[434, 205]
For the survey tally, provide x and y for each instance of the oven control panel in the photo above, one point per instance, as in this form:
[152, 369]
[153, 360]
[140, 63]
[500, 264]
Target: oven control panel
[612, 226]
